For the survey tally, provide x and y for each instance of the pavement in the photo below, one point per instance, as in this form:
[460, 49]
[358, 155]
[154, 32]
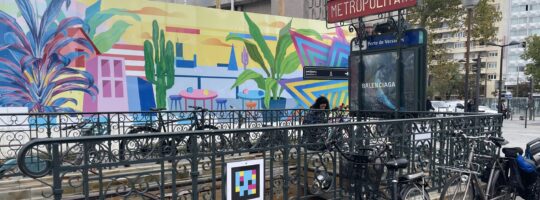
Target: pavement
[517, 135]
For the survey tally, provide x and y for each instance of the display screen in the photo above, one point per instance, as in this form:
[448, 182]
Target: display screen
[380, 80]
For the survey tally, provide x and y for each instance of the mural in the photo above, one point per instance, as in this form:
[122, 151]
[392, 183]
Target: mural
[100, 56]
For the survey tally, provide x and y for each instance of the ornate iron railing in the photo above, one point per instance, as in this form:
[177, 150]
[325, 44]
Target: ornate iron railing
[16, 129]
[173, 165]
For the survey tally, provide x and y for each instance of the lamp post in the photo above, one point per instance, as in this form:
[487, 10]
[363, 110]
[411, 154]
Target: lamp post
[469, 5]
[499, 106]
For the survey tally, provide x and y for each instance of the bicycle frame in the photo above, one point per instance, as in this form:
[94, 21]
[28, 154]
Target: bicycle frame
[472, 176]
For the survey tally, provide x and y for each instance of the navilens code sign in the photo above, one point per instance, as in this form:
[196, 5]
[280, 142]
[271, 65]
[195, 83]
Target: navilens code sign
[341, 10]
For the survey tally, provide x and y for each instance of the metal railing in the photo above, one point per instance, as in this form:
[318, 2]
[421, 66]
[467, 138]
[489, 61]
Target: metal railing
[16, 129]
[192, 164]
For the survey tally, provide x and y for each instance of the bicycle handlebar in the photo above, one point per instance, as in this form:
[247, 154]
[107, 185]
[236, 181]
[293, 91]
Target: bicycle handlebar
[79, 125]
[197, 108]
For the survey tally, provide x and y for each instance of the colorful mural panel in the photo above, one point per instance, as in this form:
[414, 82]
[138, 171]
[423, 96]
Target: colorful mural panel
[100, 56]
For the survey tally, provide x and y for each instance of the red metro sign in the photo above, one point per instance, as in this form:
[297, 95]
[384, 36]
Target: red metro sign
[341, 10]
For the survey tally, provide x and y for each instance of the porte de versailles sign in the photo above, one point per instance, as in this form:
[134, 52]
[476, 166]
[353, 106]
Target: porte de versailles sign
[341, 10]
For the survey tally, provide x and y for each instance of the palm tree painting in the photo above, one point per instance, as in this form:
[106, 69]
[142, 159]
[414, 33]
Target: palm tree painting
[33, 72]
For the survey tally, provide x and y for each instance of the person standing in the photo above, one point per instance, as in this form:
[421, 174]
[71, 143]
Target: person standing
[318, 114]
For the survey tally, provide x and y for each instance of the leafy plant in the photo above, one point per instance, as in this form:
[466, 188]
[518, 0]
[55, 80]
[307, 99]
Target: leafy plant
[33, 71]
[274, 66]
[159, 64]
[94, 17]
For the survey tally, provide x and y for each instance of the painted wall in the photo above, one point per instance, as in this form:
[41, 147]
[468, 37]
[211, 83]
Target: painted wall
[99, 56]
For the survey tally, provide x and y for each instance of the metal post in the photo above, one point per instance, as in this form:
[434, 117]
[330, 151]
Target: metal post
[57, 179]
[499, 103]
[467, 60]
[530, 105]
[477, 83]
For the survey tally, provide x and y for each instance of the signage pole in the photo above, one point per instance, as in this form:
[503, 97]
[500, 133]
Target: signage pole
[400, 31]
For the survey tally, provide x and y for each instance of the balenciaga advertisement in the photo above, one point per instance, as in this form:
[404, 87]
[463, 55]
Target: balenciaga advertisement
[379, 86]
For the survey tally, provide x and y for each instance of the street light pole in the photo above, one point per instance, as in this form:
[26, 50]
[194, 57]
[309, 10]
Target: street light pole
[499, 105]
[477, 83]
[467, 59]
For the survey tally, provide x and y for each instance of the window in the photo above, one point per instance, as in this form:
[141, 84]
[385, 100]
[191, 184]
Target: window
[80, 61]
[532, 32]
[459, 45]
[491, 65]
[112, 78]
[493, 54]
[534, 19]
[492, 76]
[519, 8]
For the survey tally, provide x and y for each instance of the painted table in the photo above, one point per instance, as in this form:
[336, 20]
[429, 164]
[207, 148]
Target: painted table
[198, 95]
[251, 95]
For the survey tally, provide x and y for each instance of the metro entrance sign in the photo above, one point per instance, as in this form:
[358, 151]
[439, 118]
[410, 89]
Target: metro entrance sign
[341, 10]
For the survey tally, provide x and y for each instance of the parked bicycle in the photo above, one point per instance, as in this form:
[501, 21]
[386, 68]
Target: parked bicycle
[505, 179]
[146, 147]
[405, 187]
[40, 161]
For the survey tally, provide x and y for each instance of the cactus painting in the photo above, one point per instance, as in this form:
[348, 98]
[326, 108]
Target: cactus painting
[159, 64]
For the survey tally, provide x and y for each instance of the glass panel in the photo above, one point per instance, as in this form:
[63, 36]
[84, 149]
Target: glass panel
[379, 84]
[119, 88]
[107, 88]
[105, 68]
[118, 68]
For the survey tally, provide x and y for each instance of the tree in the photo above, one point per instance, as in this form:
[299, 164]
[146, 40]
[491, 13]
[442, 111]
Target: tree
[432, 14]
[445, 80]
[532, 54]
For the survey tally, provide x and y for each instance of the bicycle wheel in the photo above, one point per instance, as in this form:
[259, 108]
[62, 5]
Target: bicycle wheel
[139, 148]
[458, 187]
[414, 192]
[205, 142]
[500, 189]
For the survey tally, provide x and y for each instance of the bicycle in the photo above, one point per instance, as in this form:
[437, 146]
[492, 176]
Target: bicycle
[40, 164]
[466, 184]
[405, 187]
[198, 122]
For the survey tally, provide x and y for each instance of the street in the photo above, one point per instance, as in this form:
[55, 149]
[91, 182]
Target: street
[517, 135]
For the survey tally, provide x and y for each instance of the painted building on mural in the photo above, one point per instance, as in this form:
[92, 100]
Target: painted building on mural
[100, 56]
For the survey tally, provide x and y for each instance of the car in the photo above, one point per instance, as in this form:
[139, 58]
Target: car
[440, 106]
[486, 109]
[455, 106]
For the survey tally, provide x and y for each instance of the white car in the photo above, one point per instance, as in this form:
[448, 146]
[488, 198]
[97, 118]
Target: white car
[486, 109]
[440, 106]
[455, 106]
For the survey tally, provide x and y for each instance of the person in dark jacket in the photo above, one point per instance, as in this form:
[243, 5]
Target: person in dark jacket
[429, 106]
[318, 114]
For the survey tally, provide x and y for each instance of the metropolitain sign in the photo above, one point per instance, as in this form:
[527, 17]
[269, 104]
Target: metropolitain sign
[341, 10]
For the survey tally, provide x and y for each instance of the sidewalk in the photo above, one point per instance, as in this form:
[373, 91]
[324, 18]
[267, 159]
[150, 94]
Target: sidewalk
[517, 135]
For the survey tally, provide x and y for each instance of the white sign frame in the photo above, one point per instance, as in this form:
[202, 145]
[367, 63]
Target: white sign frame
[244, 163]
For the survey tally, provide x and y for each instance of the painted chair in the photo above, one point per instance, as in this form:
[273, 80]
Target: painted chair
[251, 105]
[175, 102]
[221, 104]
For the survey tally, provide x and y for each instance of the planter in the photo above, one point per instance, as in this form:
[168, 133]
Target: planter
[274, 112]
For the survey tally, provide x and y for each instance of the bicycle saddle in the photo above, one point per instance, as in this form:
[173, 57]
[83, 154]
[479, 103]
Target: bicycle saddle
[512, 152]
[499, 141]
[399, 163]
[414, 176]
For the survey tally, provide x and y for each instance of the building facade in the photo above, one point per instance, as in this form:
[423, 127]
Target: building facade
[309, 9]
[455, 42]
[524, 21]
